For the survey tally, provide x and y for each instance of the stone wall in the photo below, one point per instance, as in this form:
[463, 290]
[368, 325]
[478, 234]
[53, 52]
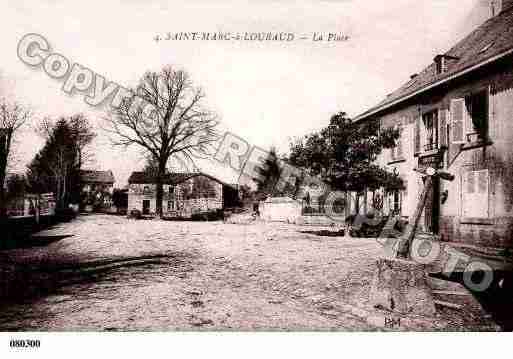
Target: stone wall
[179, 200]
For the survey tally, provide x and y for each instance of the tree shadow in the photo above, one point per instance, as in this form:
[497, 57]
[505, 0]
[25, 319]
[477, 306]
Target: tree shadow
[32, 241]
[25, 281]
[326, 233]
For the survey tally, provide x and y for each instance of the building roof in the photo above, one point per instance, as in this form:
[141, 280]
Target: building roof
[170, 178]
[89, 176]
[489, 42]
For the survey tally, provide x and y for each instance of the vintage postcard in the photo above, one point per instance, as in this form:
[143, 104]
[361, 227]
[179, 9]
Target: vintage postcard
[254, 166]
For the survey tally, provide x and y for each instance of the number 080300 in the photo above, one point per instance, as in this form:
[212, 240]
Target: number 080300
[21, 343]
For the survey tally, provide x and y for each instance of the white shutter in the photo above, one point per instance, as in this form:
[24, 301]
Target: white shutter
[442, 132]
[399, 151]
[475, 194]
[458, 121]
[416, 135]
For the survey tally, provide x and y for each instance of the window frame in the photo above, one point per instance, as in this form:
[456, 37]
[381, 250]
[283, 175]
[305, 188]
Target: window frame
[471, 137]
[470, 128]
[434, 144]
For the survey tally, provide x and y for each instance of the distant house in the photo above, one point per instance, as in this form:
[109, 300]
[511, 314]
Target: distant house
[92, 181]
[97, 188]
[456, 115]
[184, 194]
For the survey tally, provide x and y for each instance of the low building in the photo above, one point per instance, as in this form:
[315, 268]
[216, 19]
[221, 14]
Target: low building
[97, 188]
[93, 181]
[281, 209]
[456, 115]
[184, 194]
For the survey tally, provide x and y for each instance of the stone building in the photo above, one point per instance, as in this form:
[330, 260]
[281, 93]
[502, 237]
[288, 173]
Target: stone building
[97, 188]
[184, 194]
[457, 115]
[92, 181]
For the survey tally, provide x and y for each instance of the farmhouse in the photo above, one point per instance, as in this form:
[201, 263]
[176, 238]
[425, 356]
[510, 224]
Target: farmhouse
[184, 194]
[457, 115]
[97, 188]
[93, 181]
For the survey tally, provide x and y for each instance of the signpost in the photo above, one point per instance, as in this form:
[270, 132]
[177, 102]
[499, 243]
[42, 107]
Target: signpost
[406, 239]
[401, 284]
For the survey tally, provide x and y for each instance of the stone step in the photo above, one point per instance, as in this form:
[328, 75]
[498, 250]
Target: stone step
[451, 292]
[448, 304]
[442, 284]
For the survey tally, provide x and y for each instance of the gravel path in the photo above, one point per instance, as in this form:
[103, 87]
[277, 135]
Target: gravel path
[111, 273]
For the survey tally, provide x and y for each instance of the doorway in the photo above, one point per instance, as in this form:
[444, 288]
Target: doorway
[146, 206]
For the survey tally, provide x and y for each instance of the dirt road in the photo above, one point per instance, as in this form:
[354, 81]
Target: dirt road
[110, 273]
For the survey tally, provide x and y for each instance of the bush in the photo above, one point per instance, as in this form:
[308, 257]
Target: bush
[136, 214]
[65, 214]
[208, 216]
[369, 231]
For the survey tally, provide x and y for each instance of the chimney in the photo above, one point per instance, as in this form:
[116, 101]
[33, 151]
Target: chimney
[497, 6]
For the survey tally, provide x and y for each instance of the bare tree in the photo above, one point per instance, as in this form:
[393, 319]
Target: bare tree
[12, 117]
[166, 118]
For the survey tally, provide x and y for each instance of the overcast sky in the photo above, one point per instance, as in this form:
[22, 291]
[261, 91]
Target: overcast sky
[265, 92]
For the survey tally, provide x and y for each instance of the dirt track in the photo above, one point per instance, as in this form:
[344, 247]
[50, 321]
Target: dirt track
[110, 273]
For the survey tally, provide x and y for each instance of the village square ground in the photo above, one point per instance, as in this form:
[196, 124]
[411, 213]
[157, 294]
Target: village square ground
[102, 272]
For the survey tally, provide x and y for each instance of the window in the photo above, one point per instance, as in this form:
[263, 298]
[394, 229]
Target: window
[394, 201]
[469, 118]
[477, 119]
[396, 152]
[146, 190]
[475, 188]
[146, 206]
[396, 208]
[170, 206]
[430, 120]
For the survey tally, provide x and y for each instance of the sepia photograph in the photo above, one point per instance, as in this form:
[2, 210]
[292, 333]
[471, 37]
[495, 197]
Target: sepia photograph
[246, 167]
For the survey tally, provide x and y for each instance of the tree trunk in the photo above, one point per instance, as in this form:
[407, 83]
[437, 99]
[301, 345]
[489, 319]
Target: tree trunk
[4, 155]
[160, 190]
[3, 204]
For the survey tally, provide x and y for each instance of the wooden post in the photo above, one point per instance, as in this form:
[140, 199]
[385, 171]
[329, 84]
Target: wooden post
[409, 233]
[406, 239]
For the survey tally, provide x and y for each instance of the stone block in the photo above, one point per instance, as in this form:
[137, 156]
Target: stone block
[401, 286]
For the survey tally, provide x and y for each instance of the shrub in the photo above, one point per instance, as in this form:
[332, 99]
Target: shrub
[136, 214]
[208, 216]
[65, 214]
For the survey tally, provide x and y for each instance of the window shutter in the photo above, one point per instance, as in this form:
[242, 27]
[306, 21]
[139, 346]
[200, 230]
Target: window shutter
[475, 194]
[482, 181]
[458, 121]
[443, 128]
[400, 143]
[471, 182]
[416, 136]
